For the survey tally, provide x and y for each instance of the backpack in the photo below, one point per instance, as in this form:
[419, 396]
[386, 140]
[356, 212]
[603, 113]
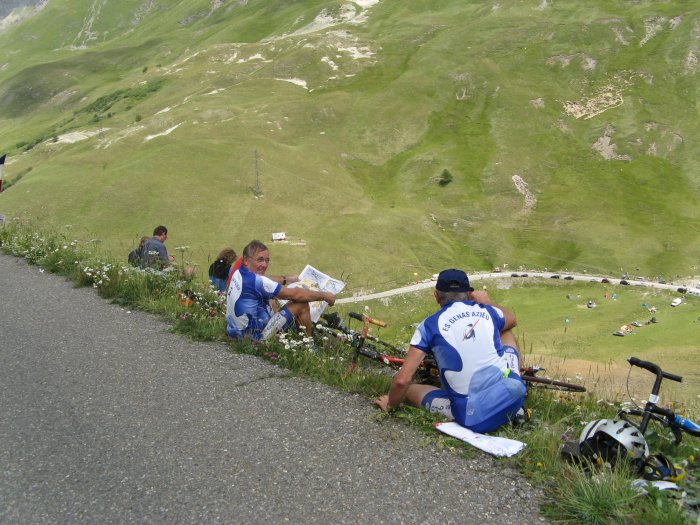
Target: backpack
[134, 257]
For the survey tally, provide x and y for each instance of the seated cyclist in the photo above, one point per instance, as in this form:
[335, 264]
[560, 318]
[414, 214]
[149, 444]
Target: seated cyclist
[476, 354]
[248, 309]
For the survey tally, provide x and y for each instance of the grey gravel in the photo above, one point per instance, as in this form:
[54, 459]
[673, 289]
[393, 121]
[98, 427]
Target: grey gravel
[107, 417]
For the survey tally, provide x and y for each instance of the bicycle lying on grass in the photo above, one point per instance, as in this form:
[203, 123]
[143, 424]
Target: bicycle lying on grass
[367, 345]
[641, 417]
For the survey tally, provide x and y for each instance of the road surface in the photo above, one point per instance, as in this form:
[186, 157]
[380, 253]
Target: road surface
[106, 417]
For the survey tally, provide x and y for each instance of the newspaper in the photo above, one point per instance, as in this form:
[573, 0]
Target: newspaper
[495, 445]
[313, 279]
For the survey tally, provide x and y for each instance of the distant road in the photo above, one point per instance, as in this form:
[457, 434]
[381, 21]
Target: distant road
[485, 276]
[107, 417]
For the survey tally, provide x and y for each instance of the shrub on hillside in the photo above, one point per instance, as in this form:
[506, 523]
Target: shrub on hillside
[445, 178]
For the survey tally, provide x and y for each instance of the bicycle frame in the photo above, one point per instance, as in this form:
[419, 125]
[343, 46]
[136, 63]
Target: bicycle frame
[651, 410]
[428, 369]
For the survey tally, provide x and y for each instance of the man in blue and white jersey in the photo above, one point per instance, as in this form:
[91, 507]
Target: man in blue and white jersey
[248, 309]
[476, 354]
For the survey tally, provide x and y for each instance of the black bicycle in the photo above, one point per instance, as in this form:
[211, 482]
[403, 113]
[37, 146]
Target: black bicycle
[368, 346]
[641, 417]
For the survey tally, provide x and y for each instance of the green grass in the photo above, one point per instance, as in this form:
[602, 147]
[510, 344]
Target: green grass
[351, 165]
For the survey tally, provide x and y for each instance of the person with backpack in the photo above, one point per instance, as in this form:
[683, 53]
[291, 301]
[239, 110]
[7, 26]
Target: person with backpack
[220, 269]
[154, 254]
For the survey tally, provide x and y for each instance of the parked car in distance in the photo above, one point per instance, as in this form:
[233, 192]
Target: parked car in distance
[623, 282]
[569, 278]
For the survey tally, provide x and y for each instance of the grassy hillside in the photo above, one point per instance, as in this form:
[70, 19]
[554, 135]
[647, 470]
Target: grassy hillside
[566, 129]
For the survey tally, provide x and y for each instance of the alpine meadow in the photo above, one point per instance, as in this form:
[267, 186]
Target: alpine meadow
[384, 138]
[388, 140]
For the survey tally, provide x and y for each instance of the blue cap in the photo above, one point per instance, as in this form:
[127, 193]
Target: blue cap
[453, 281]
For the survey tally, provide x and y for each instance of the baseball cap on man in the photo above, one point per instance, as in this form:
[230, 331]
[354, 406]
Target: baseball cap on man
[453, 281]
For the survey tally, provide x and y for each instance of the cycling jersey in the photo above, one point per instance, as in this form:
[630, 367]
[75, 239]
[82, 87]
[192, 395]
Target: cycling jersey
[247, 305]
[480, 391]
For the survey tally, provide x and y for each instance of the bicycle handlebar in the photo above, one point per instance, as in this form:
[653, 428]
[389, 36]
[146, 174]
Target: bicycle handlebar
[654, 369]
[363, 318]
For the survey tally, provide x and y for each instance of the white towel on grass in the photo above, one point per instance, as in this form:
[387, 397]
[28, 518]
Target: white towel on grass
[498, 446]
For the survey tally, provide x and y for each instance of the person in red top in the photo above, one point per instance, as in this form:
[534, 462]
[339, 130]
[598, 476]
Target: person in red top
[235, 266]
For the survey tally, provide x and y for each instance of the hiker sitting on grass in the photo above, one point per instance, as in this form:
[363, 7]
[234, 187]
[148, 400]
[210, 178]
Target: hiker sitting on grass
[476, 353]
[248, 310]
[154, 253]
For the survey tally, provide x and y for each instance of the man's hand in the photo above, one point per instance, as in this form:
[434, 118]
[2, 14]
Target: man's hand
[480, 296]
[383, 403]
[329, 298]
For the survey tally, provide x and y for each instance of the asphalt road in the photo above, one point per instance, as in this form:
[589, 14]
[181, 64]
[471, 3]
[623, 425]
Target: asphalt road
[106, 417]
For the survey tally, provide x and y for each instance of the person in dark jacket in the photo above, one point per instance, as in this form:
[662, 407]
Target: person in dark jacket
[154, 254]
[219, 270]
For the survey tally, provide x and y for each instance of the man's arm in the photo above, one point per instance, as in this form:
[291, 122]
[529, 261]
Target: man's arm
[402, 380]
[302, 295]
[481, 297]
[164, 255]
[284, 280]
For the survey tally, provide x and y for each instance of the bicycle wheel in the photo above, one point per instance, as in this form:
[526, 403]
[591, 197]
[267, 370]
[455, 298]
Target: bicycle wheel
[552, 384]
